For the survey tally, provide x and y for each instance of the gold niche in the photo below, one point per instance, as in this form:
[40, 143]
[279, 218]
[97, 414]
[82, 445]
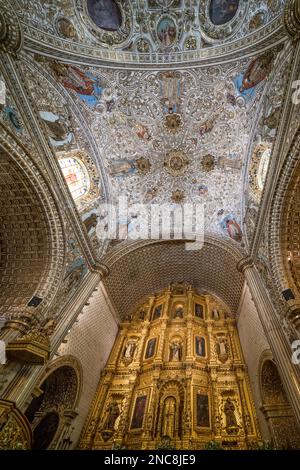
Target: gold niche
[175, 378]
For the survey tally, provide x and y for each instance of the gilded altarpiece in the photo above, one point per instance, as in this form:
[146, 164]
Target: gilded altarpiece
[175, 375]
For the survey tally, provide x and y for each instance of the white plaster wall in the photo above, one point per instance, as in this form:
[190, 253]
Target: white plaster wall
[90, 340]
[254, 343]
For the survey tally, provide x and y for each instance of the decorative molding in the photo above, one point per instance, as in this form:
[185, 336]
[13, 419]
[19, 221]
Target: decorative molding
[292, 18]
[11, 33]
[43, 43]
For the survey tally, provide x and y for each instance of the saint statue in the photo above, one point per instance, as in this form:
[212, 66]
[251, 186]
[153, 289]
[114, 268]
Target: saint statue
[113, 413]
[168, 418]
[175, 351]
[215, 314]
[229, 409]
[129, 350]
[222, 347]
[178, 312]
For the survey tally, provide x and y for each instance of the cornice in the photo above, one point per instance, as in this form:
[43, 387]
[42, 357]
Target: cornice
[40, 42]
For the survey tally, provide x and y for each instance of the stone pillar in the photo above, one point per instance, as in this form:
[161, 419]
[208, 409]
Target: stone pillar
[277, 340]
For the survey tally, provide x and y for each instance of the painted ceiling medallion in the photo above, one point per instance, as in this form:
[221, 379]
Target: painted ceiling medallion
[257, 71]
[176, 163]
[66, 29]
[222, 11]
[166, 31]
[173, 122]
[143, 165]
[178, 196]
[208, 163]
[106, 14]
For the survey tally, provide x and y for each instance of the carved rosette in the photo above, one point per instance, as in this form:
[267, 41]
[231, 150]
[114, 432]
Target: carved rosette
[291, 18]
[11, 35]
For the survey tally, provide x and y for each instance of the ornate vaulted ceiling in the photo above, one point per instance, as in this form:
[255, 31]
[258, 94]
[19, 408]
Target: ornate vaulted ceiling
[146, 26]
[174, 128]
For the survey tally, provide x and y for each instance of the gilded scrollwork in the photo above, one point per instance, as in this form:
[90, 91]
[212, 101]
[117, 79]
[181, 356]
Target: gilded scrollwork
[164, 391]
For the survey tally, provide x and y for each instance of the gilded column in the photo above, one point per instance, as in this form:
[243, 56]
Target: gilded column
[189, 326]
[163, 326]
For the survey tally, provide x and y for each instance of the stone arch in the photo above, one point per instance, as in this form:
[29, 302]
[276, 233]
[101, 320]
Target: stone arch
[134, 267]
[58, 392]
[276, 407]
[33, 248]
[284, 235]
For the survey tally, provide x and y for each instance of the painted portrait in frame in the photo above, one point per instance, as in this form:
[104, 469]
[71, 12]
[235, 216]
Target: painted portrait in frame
[138, 412]
[199, 311]
[202, 411]
[150, 350]
[200, 346]
[157, 312]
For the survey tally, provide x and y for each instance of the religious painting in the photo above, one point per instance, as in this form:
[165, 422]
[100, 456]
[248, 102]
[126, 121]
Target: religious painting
[203, 190]
[138, 412]
[166, 31]
[121, 168]
[199, 311]
[200, 346]
[58, 131]
[142, 132]
[157, 312]
[90, 220]
[170, 91]
[231, 226]
[150, 350]
[106, 14]
[202, 412]
[86, 85]
[66, 28]
[222, 11]
[257, 71]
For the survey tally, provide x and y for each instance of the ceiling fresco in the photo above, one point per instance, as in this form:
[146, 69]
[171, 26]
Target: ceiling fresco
[156, 137]
[146, 26]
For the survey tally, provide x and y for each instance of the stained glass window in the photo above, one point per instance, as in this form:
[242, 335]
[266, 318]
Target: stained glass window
[76, 176]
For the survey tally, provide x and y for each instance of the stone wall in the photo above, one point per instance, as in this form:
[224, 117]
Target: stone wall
[254, 344]
[90, 340]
